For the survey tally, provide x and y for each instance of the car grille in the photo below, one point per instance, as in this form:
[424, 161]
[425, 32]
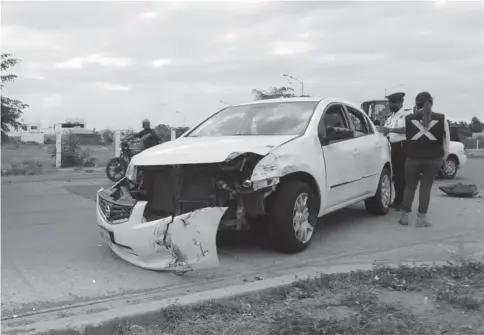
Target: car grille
[113, 212]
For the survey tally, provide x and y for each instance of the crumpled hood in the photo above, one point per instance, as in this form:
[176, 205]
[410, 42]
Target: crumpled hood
[196, 150]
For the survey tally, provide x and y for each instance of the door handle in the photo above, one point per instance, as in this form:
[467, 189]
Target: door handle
[356, 151]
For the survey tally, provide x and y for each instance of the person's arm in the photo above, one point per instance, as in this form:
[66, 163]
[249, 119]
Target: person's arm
[141, 133]
[446, 143]
[398, 130]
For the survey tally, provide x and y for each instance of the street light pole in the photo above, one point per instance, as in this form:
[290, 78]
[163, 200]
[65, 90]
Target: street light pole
[302, 84]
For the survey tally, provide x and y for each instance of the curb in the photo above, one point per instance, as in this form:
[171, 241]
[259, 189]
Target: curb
[57, 175]
[105, 323]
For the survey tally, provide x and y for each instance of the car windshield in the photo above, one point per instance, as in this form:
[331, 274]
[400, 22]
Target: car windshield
[278, 118]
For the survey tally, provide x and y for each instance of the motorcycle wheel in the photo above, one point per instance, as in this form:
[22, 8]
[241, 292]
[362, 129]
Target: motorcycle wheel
[116, 169]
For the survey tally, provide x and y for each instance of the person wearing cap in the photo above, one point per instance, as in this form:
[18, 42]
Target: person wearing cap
[394, 129]
[428, 141]
[149, 137]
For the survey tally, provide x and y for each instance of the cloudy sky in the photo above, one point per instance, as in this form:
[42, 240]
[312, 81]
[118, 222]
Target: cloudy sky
[115, 63]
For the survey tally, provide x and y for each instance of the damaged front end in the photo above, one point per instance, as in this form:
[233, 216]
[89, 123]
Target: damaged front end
[167, 217]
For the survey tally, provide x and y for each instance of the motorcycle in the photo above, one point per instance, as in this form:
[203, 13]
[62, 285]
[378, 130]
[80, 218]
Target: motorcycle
[116, 167]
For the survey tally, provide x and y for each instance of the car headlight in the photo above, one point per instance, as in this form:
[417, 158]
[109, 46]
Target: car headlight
[233, 156]
[131, 172]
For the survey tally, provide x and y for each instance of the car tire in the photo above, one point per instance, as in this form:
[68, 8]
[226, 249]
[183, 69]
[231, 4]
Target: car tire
[292, 196]
[379, 204]
[443, 172]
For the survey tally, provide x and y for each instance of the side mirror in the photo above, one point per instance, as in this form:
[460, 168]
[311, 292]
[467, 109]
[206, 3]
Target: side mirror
[377, 122]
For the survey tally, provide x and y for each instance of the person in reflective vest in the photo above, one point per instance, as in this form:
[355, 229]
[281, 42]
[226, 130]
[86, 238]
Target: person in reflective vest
[427, 145]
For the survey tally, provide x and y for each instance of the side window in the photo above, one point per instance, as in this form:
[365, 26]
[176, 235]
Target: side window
[335, 117]
[358, 121]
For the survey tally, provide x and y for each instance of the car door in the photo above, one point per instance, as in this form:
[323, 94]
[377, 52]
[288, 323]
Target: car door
[340, 158]
[370, 146]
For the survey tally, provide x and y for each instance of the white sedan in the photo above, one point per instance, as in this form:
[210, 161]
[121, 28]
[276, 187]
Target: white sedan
[281, 162]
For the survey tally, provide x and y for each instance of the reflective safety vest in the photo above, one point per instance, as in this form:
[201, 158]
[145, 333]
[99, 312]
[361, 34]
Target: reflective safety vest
[424, 143]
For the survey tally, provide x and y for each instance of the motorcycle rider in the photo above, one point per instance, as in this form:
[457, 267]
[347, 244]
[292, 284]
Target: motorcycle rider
[149, 137]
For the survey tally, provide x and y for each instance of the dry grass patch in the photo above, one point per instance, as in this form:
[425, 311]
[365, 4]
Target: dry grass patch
[406, 300]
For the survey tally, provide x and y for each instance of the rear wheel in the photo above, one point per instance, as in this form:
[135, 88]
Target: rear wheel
[292, 217]
[116, 169]
[450, 167]
[380, 203]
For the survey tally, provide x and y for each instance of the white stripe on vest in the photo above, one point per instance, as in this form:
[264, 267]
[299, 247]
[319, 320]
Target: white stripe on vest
[424, 132]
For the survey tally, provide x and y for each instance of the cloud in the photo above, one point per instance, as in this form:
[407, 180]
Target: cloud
[52, 101]
[148, 15]
[191, 55]
[111, 87]
[161, 62]
[79, 62]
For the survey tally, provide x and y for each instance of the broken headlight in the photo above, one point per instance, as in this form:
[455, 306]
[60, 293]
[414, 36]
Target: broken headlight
[233, 156]
[131, 172]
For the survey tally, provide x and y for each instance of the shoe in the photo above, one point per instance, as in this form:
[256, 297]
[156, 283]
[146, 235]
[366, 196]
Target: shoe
[396, 207]
[422, 221]
[404, 219]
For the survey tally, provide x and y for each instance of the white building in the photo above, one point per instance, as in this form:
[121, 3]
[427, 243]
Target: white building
[33, 132]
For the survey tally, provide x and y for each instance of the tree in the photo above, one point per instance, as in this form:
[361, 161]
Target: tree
[476, 125]
[11, 109]
[274, 93]
[107, 136]
[164, 131]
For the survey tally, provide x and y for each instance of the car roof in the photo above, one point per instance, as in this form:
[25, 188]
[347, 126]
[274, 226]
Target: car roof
[327, 100]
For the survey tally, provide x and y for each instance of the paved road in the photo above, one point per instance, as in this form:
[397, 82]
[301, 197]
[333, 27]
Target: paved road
[51, 254]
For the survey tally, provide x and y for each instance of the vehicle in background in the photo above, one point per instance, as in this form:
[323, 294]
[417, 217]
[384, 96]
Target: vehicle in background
[379, 110]
[275, 164]
[116, 167]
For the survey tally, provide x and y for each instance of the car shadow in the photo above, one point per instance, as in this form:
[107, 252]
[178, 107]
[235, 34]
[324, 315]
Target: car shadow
[331, 224]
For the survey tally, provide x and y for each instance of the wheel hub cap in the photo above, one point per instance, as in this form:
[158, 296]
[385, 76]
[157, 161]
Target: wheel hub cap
[450, 167]
[386, 191]
[302, 227]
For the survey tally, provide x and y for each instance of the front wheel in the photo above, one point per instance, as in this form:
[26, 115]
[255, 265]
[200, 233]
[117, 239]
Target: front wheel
[380, 203]
[116, 169]
[292, 217]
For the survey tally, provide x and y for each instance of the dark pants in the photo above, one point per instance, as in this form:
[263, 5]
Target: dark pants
[398, 166]
[423, 170]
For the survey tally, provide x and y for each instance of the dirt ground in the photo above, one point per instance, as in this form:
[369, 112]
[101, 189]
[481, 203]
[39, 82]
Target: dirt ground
[21, 153]
[437, 301]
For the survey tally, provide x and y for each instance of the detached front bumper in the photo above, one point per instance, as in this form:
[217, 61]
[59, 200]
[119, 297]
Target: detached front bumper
[182, 243]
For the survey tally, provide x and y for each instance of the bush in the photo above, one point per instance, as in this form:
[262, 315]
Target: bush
[107, 136]
[72, 154]
[27, 167]
[86, 158]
